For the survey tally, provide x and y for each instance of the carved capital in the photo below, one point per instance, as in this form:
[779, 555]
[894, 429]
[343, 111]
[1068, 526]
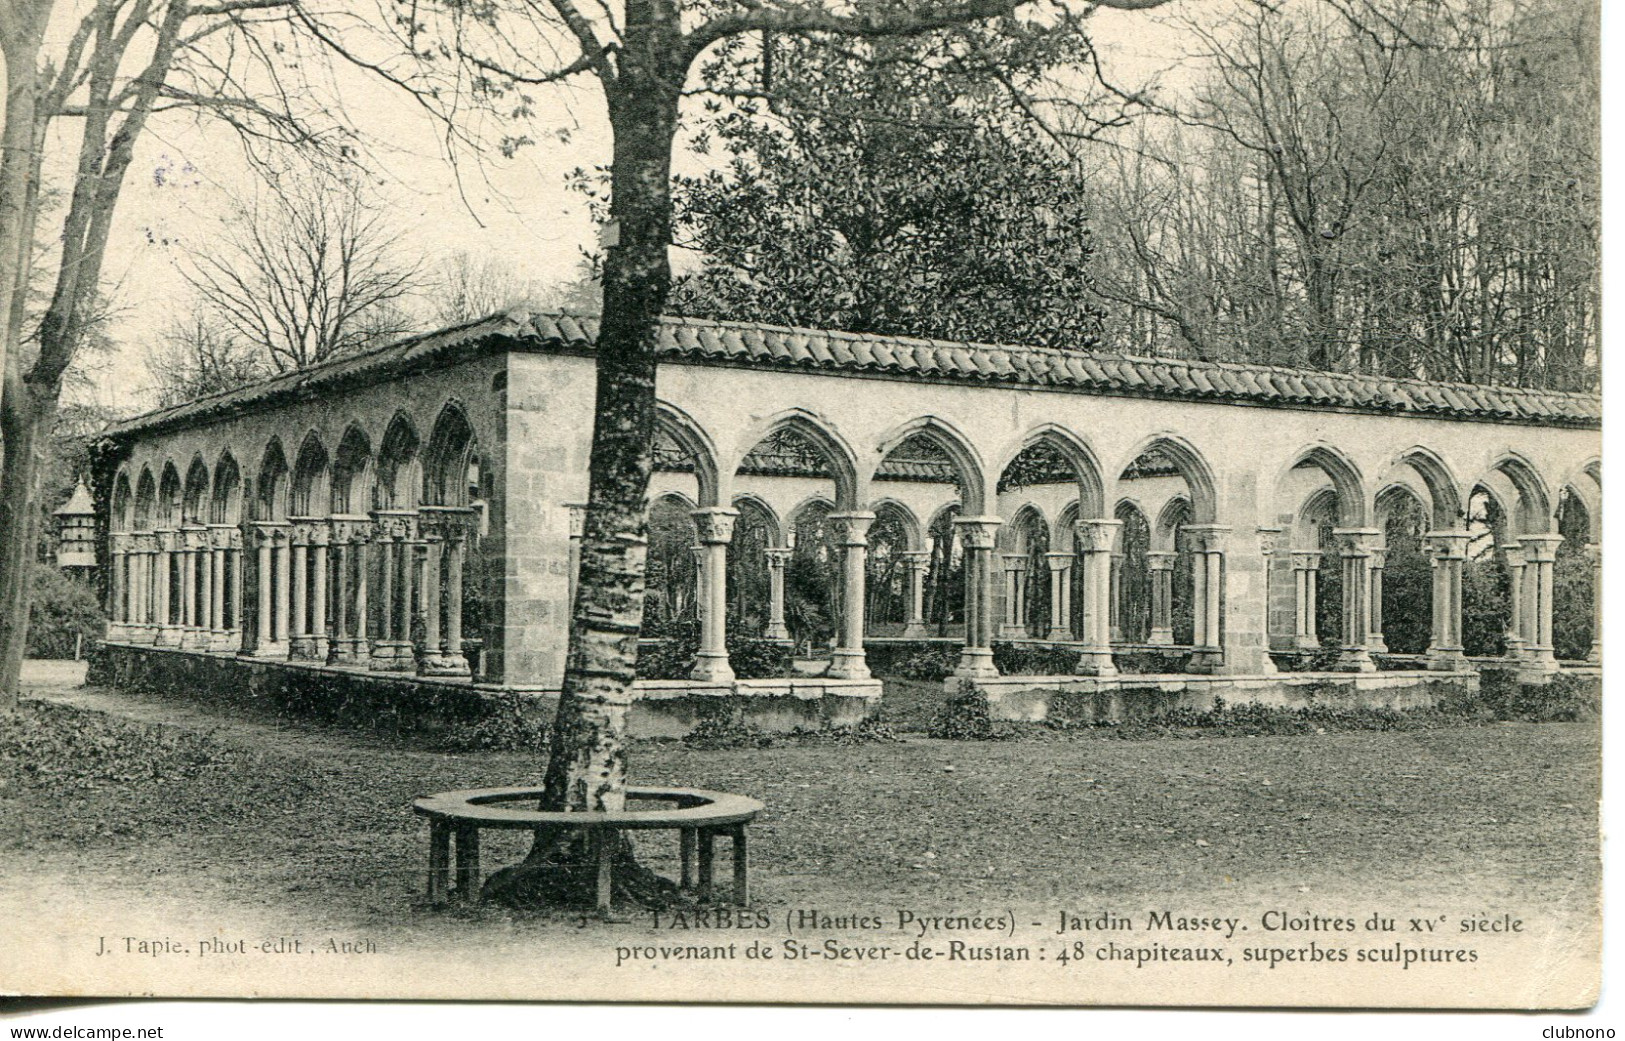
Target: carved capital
[1270, 540]
[977, 533]
[917, 559]
[1160, 560]
[852, 529]
[1097, 536]
[1207, 538]
[1014, 561]
[1514, 555]
[778, 556]
[714, 525]
[396, 525]
[1058, 562]
[1356, 542]
[1540, 549]
[220, 535]
[1306, 560]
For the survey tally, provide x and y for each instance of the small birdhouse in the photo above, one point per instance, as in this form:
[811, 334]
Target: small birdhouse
[77, 519]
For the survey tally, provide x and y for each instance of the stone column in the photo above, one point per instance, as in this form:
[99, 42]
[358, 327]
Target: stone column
[321, 533]
[396, 533]
[199, 566]
[1115, 617]
[347, 542]
[1379, 563]
[852, 529]
[1160, 563]
[976, 537]
[1060, 596]
[1094, 540]
[186, 578]
[714, 527]
[271, 581]
[778, 558]
[1207, 547]
[146, 587]
[1015, 574]
[299, 642]
[221, 563]
[1270, 544]
[1540, 556]
[1447, 553]
[1594, 554]
[118, 587]
[444, 530]
[916, 562]
[1355, 546]
[1306, 583]
[169, 633]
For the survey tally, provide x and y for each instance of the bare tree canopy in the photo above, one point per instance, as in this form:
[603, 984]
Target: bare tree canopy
[309, 271]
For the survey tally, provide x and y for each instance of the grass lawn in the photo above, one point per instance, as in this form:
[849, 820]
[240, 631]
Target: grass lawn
[111, 796]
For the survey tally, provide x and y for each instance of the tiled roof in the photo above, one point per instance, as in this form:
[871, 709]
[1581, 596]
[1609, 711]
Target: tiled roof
[810, 350]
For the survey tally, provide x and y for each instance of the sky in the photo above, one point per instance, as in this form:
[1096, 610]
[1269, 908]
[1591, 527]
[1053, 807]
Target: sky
[515, 211]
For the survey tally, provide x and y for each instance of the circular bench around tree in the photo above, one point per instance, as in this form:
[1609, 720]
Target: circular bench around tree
[697, 816]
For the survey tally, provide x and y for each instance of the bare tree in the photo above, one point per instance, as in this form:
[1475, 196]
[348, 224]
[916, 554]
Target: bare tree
[472, 286]
[117, 64]
[643, 55]
[195, 358]
[309, 272]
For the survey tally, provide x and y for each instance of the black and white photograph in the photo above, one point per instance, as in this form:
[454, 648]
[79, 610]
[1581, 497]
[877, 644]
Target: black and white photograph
[824, 502]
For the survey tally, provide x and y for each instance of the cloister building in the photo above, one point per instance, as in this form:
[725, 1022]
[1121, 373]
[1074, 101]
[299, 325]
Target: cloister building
[414, 510]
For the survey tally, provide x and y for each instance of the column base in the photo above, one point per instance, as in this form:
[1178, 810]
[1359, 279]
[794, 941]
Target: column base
[1117, 634]
[1354, 659]
[848, 665]
[712, 668]
[1377, 645]
[225, 640]
[1095, 663]
[1596, 653]
[1206, 661]
[268, 649]
[393, 656]
[347, 651]
[1537, 665]
[1447, 659]
[777, 632]
[168, 636]
[309, 648]
[119, 632]
[447, 665]
[195, 639]
[143, 632]
[976, 663]
[1060, 634]
[1012, 632]
[916, 631]
[1161, 638]
[1306, 643]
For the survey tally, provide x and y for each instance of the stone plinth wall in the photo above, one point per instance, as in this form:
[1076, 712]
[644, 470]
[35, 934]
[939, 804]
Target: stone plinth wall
[418, 705]
[1120, 698]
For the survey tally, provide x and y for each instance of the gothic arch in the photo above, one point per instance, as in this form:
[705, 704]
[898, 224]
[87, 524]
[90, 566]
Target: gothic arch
[1352, 511]
[1176, 512]
[956, 446]
[1192, 466]
[146, 497]
[399, 469]
[696, 444]
[351, 479]
[1448, 507]
[271, 487]
[837, 454]
[169, 497]
[122, 502]
[775, 529]
[1078, 455]
[195, 498]
[1529, 506]
[309, 495]
[910, 523]
[225, 503]
[453, 449]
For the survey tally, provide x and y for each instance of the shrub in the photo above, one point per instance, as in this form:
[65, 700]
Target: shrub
[924, 660]
[1017, 659]
[672, 658]
[62, 611]
[964, 717]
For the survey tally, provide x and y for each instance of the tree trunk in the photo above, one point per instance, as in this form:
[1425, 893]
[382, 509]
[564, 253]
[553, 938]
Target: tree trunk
[25, 423]
[586, 768]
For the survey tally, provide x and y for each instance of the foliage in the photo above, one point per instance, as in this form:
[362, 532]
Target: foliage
[722, 733]
[673, 648]
[892, 187]
[964, 717]
[1485, 588]
[1018, 659]
[62, 612]
[1565, 699]
[913, 660]
[55, 747]
[1409, 189]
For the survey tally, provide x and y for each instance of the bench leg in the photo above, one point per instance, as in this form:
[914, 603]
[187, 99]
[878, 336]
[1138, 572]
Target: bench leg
[604, 850]
[468, 863]
[741, 867]
[439, 861]
[707, 862]
[685, 846]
